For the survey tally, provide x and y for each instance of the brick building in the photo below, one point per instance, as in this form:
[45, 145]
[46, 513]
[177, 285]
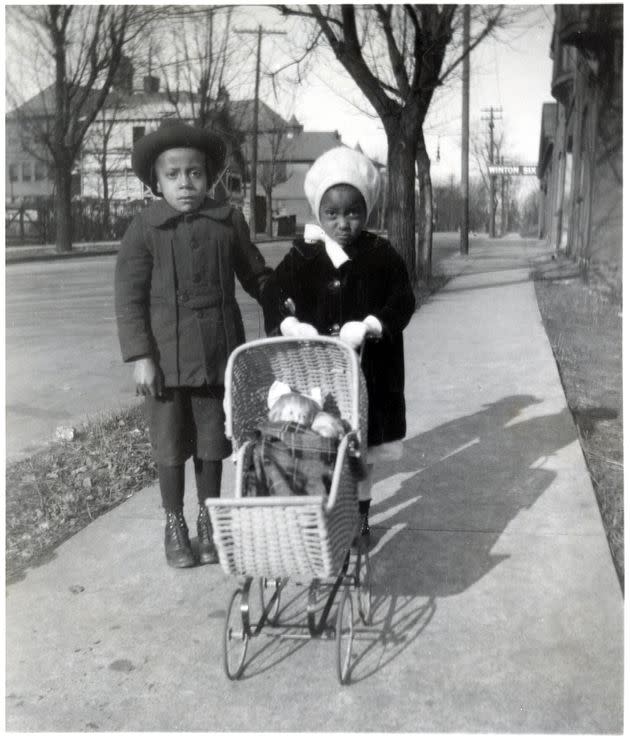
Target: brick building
[581, 144]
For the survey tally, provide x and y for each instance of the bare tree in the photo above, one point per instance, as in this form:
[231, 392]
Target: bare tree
[99, 146]
[273, 171]
[198, 61]
[396, 55]
[82, 47]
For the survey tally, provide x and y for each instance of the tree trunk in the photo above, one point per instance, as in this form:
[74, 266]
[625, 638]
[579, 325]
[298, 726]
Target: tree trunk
[425, 216]
[105, 179]
[63, 208]
[401, 169]
[269, 197]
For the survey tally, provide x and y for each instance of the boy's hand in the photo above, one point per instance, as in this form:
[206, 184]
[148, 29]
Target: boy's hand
[148, 378]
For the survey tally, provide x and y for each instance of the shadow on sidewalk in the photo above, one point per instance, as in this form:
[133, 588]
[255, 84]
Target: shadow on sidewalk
[461, 484]
[459, 487]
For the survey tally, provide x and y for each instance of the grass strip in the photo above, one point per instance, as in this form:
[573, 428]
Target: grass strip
[54, 493]
[584, 326]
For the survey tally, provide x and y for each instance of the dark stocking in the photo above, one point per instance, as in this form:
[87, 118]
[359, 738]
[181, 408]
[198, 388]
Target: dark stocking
[208, 476]
[171, 479]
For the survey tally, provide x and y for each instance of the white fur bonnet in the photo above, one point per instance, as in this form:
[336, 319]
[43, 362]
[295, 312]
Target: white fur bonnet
[338, 166]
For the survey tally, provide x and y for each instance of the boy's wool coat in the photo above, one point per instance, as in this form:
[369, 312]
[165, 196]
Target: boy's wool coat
[374, 281]
[175, 289]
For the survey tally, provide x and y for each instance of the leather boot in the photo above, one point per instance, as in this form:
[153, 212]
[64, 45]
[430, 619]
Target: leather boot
[179, 553]
[207, 550]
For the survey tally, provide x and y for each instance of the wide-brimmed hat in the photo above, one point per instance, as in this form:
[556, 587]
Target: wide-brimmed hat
[174, 134]
[342, 166]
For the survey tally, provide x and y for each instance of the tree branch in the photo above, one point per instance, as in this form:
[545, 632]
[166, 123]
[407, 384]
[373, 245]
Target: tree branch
[396, 58]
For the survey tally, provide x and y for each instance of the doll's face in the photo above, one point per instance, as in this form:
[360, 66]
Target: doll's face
[342, 213]
[294, 407]
[182, 178]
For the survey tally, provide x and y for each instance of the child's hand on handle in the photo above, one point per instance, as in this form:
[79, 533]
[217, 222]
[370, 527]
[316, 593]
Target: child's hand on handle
[148, 378]
[355, 333]
[291, 327]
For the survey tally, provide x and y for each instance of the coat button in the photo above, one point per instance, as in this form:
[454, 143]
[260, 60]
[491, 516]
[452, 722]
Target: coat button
[335, 284]
[334, 329]
[183, 296]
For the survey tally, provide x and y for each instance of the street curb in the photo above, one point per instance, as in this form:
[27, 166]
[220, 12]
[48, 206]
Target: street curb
[15, 255]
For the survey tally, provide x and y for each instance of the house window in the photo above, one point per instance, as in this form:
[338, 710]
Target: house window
[13, 172]
[138, 133]
[27, 171]
[40, 171]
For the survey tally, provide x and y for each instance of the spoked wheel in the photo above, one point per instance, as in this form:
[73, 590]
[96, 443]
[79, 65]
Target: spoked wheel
[269, 587]
[344, 636]
[363, 582]
[235, 637]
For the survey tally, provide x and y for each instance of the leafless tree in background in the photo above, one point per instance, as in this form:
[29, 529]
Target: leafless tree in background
[397, 55]
[77, 48]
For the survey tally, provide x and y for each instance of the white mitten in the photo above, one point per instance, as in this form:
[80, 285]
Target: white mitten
[353, 333]
[306, 331]
[374, 326]
[288, 326]
[291, 327]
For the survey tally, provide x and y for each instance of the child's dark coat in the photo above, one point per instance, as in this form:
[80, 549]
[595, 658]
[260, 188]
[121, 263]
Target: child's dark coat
[189, 328]
[374, 281]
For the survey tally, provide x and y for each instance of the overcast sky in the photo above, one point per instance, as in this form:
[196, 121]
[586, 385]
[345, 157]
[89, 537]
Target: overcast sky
[512, 72]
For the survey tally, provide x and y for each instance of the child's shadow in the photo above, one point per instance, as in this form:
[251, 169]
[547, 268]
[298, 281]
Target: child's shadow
[460, 485]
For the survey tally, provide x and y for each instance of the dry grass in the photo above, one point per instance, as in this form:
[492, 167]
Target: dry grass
[55, 493]
[584, 327]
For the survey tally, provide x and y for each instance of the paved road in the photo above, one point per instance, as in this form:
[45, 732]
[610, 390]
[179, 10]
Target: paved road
[63, 362]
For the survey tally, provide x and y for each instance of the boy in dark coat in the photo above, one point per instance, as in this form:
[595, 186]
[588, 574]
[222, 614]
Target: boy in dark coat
[178, 319]
[349, 282]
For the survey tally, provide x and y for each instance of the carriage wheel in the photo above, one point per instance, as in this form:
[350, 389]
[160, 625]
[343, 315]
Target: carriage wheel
[345, 635]
[268, 588]
[363, 582]
[235, 637]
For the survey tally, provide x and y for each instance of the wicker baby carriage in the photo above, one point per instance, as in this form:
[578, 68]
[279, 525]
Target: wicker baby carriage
[265, 541]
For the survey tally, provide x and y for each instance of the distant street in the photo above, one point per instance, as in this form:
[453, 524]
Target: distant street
[63, 362]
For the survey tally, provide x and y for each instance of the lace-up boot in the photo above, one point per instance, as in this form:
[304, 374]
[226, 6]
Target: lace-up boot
[179, 553]
[207, 550]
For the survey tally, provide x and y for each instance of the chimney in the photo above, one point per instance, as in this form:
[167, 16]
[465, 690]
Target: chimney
[123, 79]
[151, 84]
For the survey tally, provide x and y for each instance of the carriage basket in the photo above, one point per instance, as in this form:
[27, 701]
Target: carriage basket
[301, 537]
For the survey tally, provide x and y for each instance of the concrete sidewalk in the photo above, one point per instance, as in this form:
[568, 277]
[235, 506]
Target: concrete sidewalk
[497, 607]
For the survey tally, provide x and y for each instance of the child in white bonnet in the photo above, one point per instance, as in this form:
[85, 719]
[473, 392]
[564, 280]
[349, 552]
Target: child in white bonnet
[349, 282]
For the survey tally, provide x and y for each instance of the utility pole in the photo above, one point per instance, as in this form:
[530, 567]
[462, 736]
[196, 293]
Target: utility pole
[495, 114]
[464, 222]
[254, 161]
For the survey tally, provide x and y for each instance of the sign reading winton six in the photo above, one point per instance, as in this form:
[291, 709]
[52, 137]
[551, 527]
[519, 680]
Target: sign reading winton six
[512, 169]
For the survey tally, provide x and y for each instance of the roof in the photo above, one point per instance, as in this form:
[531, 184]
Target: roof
[303, 147]
[242, 111]
[43, 104]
